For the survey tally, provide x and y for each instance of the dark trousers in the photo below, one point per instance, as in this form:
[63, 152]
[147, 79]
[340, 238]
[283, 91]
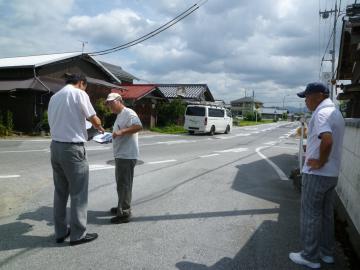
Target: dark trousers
[124, 174]
[71, 177]
[317, 216]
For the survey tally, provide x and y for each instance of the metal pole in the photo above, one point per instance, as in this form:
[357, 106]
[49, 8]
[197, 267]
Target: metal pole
[253, 102]
[301, 148]
[333, 55]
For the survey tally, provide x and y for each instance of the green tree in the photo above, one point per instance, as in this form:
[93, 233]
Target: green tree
[3, 130]
[170, 113]
[9, 121]
[104, 113]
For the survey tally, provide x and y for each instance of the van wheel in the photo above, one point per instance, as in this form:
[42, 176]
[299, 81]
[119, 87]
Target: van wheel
[191, 132]
[227, 130]
[212, 131]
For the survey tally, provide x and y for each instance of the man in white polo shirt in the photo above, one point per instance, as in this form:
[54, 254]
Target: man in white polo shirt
[68, 110]
[126, 153]
[320, 176]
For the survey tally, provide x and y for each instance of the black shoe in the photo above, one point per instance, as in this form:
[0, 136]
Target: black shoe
[121, 219]
[62, 239]
[113, 211]
[88, 238]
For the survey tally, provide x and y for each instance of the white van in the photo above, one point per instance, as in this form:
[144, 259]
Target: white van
[207, 119]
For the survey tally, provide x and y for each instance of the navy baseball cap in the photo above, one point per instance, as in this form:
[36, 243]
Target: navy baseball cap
[315, 87]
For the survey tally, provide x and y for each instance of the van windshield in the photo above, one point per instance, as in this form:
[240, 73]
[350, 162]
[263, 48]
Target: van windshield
[195, 111]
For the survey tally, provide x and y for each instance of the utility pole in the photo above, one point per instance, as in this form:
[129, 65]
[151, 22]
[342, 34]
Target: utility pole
[325, 15]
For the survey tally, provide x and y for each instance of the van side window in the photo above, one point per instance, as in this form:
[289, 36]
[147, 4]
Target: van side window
[195, 111]
[216, 112]
[228, 113]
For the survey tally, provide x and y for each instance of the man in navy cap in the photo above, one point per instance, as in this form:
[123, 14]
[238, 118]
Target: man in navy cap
[320, 176]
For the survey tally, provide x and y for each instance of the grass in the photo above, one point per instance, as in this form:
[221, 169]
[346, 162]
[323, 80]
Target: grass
[172, 129]
[243, 123]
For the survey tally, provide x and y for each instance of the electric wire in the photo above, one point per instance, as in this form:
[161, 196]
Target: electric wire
[153, 33]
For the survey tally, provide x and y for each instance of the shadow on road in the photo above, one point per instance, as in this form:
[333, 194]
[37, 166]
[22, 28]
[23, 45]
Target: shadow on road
[270, 244]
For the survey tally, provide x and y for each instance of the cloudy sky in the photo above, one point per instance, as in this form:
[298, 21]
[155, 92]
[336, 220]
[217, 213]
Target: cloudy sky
[235, 46]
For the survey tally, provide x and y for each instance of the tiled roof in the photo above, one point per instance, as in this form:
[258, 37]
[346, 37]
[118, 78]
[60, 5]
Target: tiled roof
[119, 72]
[187, 91]
[136, 91]
[34, 60]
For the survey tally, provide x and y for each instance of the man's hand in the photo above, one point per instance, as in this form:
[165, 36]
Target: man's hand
[314, 164]
[117, 133]
[96, 122]
[101, 129]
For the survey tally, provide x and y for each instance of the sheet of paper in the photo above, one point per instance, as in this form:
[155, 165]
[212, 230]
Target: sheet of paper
[103, 138]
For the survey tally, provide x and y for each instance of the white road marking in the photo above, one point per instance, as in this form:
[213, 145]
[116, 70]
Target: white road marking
[225, 137]
[169, 142]
[91, 148]
[242, 134]
[25, 151]
[276, 168]
[286, 147]
[270, 143]
[39, 140]
[98, 167]
[212, 155]
[161, 161]
[233, 150]
[96, 148]
[10, 176]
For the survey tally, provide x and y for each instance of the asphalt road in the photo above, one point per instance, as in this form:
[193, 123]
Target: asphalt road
[199, 202]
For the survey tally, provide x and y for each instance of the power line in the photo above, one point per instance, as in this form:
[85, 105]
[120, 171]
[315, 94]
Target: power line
[153, 33]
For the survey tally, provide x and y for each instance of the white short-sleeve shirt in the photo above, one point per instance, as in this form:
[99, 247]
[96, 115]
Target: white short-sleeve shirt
[126, 146]
[67, 112]
[326, 118]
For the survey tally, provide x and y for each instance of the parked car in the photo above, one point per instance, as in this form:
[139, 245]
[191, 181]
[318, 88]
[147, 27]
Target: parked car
[207, 119]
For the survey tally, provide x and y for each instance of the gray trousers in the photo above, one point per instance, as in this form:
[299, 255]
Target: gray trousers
[124, 175]
[317, 216]
[71, 177]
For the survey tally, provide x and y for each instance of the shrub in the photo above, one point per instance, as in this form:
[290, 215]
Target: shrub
[9, 121]
[249, 116]
[104, 113]
[170, 113]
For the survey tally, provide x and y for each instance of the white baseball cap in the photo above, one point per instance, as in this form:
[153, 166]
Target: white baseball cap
[113, 96]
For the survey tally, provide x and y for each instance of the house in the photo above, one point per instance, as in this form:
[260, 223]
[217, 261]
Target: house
[143, 99]
[348, 188]
[125, 77]
[349, 64]
[244, 105]
[27, 83]
[188, 92]
[272, 112]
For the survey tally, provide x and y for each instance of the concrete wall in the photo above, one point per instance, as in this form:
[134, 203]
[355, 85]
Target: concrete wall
[348, 188]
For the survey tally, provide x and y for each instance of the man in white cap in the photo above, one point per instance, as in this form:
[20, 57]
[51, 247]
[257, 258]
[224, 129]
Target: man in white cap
[320, 176]
[126, 153]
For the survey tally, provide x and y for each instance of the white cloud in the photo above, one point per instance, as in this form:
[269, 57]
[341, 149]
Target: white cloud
[235, 45]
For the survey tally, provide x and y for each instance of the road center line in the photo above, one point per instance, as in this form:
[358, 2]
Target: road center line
[209, 155]
[25, 151]
[233, 150]
[162, 161]
[276, 168]
[10, 176]
[97, 167]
